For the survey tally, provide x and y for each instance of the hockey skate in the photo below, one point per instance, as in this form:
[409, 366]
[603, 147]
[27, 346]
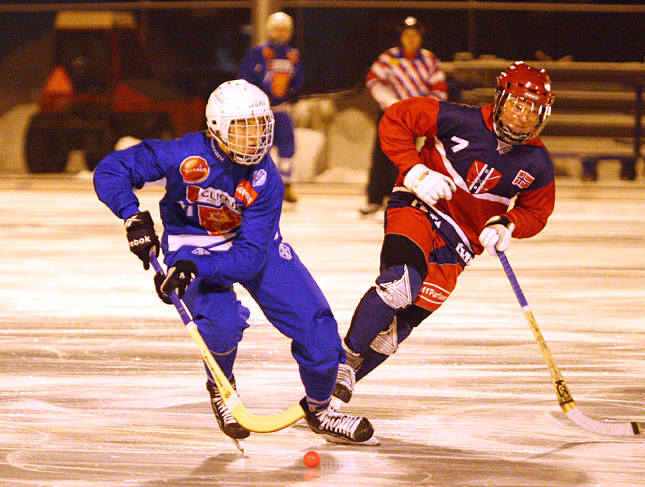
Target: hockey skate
[227, 423]
[345, 381]
[337, 427]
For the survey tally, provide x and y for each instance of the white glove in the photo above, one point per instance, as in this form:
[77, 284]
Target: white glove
[497, 234]
[429, 185]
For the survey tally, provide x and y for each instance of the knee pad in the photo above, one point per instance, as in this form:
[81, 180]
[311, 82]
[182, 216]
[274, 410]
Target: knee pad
[398, 285]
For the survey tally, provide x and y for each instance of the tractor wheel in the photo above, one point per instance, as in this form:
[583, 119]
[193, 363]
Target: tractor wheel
[46, 148]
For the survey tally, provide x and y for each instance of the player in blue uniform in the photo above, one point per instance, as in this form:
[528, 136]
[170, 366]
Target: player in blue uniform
[451, 200]
[274, 66]
[221, 214]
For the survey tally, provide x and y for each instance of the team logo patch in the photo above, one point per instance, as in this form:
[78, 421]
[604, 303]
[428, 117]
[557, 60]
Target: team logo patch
[200, 251]
[285, 251]
[259, 178]
[482, 178]
[218, 221]
[523, 179]
[194, 169]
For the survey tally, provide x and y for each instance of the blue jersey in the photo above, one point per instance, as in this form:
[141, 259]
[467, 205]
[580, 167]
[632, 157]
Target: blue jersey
[211, 203]
[275, 69]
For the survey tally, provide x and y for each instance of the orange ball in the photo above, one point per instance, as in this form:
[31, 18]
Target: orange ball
[311, 459]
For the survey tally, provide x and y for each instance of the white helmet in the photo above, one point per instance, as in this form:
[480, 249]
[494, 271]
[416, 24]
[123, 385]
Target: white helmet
[232, 110]
[279, 20]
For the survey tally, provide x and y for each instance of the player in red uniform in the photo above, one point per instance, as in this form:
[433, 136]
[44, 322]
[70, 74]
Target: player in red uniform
[450, 202]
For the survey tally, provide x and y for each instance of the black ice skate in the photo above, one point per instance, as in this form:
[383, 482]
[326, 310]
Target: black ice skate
[337, 427]
[227, 423]
[345, 381]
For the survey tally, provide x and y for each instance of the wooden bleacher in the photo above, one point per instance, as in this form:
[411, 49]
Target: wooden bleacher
[596, 115]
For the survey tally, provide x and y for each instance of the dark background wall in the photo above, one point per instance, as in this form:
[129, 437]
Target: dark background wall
[197, 49]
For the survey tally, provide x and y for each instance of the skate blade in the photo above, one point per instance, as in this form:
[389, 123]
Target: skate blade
[373, 441]
[239, 444]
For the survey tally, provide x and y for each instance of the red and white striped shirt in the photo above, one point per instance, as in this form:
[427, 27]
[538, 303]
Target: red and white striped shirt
[395, 76]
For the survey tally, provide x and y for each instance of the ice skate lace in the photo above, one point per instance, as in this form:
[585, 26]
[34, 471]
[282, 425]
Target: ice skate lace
[224, 413]
[346, 377]
[335, 422]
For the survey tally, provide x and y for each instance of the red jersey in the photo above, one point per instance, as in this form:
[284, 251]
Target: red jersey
[492, 177]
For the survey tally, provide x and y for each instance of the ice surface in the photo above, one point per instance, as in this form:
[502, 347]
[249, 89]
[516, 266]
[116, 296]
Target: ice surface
[101, 386]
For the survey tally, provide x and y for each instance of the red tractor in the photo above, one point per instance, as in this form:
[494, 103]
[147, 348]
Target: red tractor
[101, 88]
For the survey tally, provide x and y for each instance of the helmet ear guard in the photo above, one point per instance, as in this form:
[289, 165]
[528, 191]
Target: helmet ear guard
[530, 86]
[237, 104]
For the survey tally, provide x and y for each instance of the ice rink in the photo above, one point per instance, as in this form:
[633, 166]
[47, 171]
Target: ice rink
[100, 385]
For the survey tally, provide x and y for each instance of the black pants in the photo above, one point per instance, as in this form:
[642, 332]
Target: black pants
[383, 172]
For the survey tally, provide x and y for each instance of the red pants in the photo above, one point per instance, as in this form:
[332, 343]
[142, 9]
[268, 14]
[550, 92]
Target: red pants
[443, 264]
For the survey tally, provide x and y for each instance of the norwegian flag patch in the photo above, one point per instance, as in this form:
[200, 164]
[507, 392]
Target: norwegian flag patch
[523, 179]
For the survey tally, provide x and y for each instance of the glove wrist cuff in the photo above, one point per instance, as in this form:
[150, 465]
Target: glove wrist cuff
[413, 174]
[501, 220]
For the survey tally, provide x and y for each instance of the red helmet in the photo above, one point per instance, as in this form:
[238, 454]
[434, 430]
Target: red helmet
[522, 91]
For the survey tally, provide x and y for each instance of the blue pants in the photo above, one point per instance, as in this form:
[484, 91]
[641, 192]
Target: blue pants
[291, 300]
[283, 137]
[284, 141]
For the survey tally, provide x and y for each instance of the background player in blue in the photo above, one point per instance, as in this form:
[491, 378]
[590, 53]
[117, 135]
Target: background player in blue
[451, 200]
[274, 66]
[221, 215]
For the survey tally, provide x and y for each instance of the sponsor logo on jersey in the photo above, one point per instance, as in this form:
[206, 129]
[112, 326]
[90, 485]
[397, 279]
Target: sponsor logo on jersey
[433, 293]
[212, 196]
[194, 169]
[465, 254]
[245, 193]
[482, 178]
[218, 221]
[281, 65]
[523, 179]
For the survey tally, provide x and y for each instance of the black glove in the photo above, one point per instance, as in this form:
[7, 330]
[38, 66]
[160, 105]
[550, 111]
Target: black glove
[178, 279]
[140, 230]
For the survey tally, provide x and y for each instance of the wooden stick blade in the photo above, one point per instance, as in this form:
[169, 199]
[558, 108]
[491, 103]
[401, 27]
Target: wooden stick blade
[607, 428]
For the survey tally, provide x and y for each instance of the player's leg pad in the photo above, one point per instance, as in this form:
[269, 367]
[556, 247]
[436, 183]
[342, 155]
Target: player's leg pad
[337, 427]
[227, 423]
[398, 285]
[387, 341]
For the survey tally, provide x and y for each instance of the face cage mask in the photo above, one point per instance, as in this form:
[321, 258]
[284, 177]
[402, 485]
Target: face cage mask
[239, 146]
[505, 101]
